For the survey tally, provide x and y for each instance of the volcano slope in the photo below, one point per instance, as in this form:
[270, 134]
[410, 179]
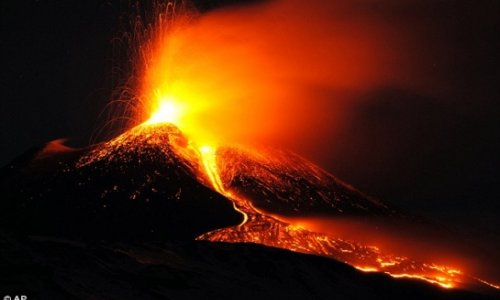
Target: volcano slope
[134, 187]
[138, 217]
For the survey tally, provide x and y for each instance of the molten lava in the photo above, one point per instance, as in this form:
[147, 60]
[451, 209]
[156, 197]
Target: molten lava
[272, 230]
[265, 186]
[237, 173]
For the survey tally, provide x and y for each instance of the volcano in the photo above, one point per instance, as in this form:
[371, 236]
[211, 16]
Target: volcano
[151, 213]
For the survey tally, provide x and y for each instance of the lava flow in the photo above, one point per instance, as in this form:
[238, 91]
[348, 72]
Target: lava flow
[268, 186]
[265, 186]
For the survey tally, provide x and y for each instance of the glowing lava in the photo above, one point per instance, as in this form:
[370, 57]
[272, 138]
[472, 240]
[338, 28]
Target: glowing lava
[209, 160]
[272, 230]
[177, 95]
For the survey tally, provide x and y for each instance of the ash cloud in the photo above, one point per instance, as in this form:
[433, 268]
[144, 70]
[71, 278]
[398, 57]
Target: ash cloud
[397, 98]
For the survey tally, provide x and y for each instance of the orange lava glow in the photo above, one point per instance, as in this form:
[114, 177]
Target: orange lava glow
[214, 89]
[207, 163]
[272, 230]
[212, 166]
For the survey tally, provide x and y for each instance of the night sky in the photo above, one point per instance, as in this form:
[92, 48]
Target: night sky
[437, 155]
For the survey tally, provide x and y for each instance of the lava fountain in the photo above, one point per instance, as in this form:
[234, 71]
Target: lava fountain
[176, 84]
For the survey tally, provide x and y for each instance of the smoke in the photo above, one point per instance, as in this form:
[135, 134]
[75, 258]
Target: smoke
[282, 71]
[398, 98]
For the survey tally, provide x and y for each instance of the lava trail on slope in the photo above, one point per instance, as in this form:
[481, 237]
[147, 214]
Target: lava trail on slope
[273, 186]
[153, 183]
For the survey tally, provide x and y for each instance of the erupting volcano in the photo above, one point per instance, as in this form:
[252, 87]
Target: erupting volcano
[178, 175]
[268, 187]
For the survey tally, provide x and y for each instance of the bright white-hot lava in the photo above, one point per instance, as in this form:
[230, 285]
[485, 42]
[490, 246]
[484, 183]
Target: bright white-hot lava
[168, 110]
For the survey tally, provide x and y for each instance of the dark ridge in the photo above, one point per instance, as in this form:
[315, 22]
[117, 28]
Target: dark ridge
[142, 198]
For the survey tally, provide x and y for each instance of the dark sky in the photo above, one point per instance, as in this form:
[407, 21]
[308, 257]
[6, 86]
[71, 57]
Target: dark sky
[423, 153]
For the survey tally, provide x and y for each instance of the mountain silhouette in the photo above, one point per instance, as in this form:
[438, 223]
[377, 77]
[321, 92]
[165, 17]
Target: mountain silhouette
[137, 217]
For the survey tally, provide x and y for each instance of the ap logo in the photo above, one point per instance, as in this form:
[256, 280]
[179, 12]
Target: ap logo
[16, 297]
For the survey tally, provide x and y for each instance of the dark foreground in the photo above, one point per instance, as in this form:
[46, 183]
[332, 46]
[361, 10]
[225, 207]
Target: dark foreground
[50, 268]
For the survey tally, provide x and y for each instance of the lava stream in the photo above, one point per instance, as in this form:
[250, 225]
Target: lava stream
[209, 160]
[271, 230]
